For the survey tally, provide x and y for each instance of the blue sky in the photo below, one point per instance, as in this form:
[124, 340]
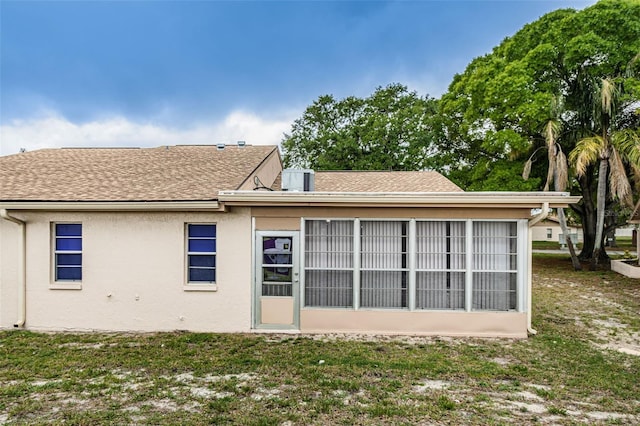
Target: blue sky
[148, 73]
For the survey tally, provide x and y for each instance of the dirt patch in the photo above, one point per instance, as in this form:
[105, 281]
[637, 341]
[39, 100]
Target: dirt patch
[431, 385]
[608, 322]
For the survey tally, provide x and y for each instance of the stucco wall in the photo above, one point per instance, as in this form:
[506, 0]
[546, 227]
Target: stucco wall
[9, 233]
[133, 274]
[431, 323]
[267, 172]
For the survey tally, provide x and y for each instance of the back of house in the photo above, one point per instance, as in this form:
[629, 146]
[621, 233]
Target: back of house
[221, 239]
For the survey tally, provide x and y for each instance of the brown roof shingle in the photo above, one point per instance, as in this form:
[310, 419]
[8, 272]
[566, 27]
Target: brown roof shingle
[382, 181]
[167, 173]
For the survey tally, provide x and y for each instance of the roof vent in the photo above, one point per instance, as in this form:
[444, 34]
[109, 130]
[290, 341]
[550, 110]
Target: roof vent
[220, 146]
[298, 180]
[242, 144]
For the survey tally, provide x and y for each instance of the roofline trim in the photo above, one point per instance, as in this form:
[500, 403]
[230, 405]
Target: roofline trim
[514, 199]
[212, 205]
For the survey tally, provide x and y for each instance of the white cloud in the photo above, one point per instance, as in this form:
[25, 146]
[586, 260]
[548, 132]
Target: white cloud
[53, 130]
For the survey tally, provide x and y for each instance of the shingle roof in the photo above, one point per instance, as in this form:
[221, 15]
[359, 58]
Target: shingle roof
[173, 173]
[379, 181]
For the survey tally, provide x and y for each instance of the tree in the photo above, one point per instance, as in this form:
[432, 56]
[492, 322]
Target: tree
[390, 130]
[495, 111]
[612, 149]
[557, 173]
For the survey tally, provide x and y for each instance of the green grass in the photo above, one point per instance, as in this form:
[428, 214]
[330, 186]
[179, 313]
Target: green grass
[622, 243]
[561, 374]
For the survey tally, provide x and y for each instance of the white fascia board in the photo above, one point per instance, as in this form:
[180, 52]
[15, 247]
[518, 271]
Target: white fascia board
[487, 199]
[213, 205]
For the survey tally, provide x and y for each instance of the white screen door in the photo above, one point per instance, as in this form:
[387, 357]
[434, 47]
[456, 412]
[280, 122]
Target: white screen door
[277, 274]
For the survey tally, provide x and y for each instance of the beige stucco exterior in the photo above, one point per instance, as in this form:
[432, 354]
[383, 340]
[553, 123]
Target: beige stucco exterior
[276, 310]
[134, 271]
[266, 172]
[9, 273]
[428, 323]
[134, 274]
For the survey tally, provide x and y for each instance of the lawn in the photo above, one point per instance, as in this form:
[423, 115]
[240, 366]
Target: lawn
[622, 243]
[583, 366]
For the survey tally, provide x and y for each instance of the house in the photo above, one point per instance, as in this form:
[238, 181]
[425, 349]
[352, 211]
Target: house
[549, 230]
[221, 239]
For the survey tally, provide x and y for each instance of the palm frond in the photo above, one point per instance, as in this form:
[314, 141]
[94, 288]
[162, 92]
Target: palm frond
[608, 96]
[550, 133]
[618, 181]
[627, 142]
[527, 169]
[527, 166]
[635, 177]
[562, 171]
[550, 172]
[586, 152]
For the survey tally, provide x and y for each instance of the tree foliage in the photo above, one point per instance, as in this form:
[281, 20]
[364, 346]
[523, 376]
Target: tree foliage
[494, 114]
[390, 130]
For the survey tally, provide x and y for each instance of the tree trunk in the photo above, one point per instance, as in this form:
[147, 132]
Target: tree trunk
[600, 210]
[563, 225]
[587, 215]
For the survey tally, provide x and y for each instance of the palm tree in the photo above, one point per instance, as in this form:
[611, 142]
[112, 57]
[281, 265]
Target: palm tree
[611, 149]
[557, 173]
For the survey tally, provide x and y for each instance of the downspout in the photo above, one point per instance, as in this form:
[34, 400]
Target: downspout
[538, 218]
[22, 268]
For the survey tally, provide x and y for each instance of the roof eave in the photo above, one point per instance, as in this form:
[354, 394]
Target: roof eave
[204, 205]
[399, 199]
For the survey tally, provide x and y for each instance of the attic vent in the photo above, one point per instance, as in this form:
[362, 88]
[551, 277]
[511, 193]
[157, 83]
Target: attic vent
[242, 144]
[220, 146]
[298, 180]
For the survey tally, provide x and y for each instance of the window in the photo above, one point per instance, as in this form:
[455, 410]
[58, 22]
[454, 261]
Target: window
[68, 251]
[495, 264]
[413, 264]
[440, 265]
[549, 233]
[201, 253]
[329, 263]
[384, 264]
[277, 266]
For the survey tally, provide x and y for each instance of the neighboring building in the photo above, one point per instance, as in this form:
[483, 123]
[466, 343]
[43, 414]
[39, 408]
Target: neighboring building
[196, 238]
[549, 230]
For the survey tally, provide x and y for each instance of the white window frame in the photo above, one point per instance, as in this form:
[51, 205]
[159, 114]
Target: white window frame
[406, 269]
[199, 285]
[521, 270]
[303, 267]
[415, 270]
[62, 284]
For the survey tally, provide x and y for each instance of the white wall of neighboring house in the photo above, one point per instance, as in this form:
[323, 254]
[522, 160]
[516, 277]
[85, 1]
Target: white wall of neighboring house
[134, 274]
[550, 231]
[625, 231]
[546, 232]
